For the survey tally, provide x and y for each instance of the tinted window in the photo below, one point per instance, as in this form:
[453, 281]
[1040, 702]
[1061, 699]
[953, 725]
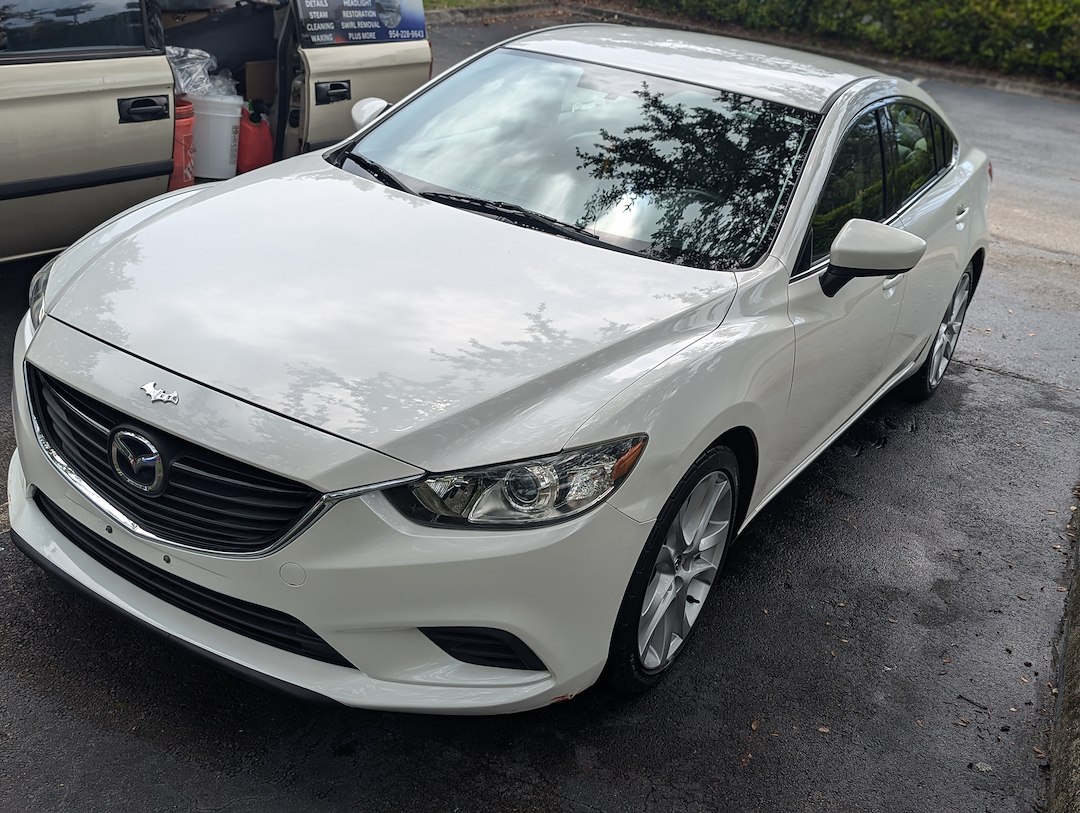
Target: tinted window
[913, 134]
[677, 172]
[854, 186]
[48, 25]
[946, 144]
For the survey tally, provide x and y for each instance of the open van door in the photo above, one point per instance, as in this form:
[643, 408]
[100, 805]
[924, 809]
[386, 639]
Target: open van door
[350, 49]
[86, 118]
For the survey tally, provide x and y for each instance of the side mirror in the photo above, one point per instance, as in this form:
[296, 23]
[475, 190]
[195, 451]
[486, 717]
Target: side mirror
[864, 248]
[367, 109]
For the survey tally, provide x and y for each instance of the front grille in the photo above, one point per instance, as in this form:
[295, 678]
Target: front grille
[209, 502]
[260, 623]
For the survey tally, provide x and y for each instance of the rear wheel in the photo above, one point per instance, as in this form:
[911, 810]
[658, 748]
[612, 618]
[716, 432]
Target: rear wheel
[675, 574]
[926, 381]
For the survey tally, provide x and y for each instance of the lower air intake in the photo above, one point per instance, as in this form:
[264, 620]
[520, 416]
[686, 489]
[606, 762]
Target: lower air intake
[484, 647]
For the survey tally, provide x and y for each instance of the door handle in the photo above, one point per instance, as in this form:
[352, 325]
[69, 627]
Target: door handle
[143, 108]
[892, 282]
[962, 211]
[330, 92]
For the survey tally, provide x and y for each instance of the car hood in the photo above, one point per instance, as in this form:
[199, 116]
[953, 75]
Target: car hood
[441, 337]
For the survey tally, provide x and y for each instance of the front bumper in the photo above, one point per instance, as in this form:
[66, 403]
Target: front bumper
[364, 579]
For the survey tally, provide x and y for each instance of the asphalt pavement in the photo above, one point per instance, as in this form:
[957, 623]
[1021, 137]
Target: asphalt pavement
[887, 633]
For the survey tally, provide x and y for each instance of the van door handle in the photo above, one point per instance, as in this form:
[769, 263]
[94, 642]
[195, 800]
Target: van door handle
[962, 211]
[143, 108]
[330, 92]
[892, 282]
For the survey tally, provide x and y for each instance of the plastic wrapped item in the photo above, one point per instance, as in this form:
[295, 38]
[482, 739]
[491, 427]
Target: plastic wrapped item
[191, 71]
[221, 84]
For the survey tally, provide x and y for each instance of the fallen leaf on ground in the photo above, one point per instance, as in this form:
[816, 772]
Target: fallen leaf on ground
[981, 767]
[824, 729]
[962, 722]
[754, 725]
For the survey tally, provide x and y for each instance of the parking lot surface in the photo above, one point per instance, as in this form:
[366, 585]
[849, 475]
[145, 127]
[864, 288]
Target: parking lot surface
[886, 635]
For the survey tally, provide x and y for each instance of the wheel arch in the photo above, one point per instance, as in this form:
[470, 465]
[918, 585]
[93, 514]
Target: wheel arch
[743, 442]
[977, 261]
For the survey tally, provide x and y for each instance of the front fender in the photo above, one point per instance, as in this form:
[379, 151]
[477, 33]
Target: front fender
[737, 376]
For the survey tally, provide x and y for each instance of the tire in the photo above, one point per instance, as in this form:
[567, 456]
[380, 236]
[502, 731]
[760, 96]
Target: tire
[929, 377]
[679, 562]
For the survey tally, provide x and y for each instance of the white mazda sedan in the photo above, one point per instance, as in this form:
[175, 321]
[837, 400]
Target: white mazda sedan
[464, 414]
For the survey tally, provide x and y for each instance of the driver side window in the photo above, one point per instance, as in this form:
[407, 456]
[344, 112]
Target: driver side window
[854, 186]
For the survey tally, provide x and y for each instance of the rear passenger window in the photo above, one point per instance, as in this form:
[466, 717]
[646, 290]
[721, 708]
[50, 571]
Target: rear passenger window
[853, 187]
[31, 26]
[946, 145]
[916, 163]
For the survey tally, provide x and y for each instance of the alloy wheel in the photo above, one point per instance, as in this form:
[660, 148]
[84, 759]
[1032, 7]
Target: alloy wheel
[685, 568]
[948, 332]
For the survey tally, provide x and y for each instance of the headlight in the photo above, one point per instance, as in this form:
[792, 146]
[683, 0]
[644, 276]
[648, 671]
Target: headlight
[532, 492]
[38, 284]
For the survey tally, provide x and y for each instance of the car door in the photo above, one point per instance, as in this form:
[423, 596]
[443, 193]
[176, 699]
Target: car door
[928, 192]
[842, 342]
[85, 118]
[350, 50]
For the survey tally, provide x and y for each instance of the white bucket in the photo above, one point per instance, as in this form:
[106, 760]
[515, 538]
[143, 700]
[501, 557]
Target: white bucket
[217, 133]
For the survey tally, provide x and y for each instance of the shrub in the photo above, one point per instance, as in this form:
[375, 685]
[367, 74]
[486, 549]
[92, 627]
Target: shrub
[1026, 37]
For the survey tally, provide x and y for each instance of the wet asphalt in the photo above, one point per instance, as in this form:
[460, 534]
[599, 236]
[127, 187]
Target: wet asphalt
[888, 626]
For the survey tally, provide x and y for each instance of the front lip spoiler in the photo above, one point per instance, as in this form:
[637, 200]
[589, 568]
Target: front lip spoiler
[325, 502]
[251, 675]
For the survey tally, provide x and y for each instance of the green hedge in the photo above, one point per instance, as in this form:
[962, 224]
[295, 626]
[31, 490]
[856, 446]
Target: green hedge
[1022, 37]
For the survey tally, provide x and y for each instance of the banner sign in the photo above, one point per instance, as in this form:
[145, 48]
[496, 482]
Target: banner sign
[340, 22]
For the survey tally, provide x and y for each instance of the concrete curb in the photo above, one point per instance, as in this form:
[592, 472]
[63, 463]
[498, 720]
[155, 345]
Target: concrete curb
[1065, 741]
[924, 70]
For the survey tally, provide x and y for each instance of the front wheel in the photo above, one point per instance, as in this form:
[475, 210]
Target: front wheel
[925, 382]
[675, 574]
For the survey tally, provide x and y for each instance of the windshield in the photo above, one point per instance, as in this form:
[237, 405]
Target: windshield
[673, 171]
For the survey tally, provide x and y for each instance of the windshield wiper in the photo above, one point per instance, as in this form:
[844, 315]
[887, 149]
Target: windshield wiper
[376, 170]
[521, 216]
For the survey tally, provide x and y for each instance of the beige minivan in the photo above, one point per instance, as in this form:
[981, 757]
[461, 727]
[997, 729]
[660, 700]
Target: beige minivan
[87, 93]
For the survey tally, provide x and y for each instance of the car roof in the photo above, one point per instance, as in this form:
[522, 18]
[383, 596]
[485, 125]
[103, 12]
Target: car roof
[784, 75]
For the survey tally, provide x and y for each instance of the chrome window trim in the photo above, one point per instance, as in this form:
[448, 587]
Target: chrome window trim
[325, 502]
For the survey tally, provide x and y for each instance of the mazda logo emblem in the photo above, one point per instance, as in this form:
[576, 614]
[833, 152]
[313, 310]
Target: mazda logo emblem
[137, 461]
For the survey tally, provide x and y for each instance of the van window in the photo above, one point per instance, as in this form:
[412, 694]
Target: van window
[32, 26]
